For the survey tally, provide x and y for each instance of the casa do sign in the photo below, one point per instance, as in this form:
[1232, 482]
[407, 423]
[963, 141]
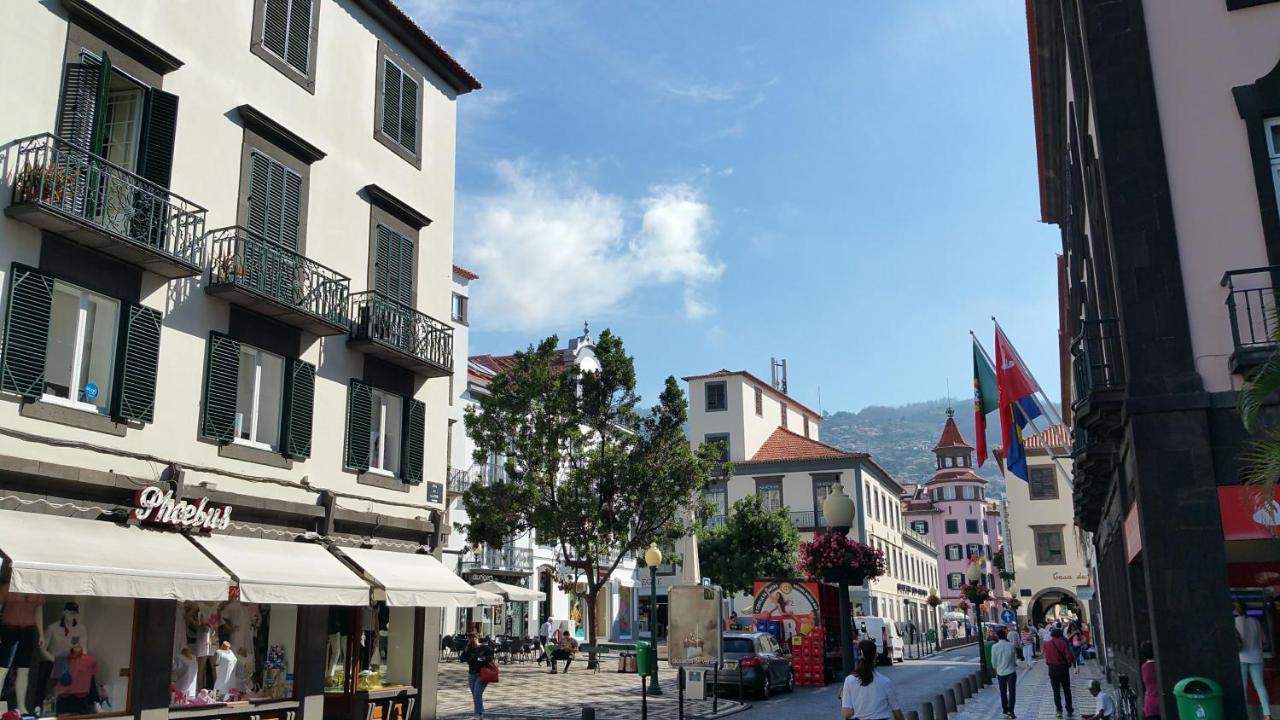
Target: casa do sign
[159, 507]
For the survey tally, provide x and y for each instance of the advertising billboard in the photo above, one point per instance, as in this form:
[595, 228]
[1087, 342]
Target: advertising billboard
[693, 637]
[785, 608]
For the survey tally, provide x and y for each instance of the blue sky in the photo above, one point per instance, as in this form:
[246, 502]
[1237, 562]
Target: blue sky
[847, 185]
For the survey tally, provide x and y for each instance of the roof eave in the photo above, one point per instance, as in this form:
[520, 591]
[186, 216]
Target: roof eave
[1046, 53]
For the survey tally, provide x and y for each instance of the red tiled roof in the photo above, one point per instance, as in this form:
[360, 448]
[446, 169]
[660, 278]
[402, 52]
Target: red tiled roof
[951, 437]
[412, 34]
[1058, 436]
[464, 273]
[503, 363]
[764, 385]
[785, 445]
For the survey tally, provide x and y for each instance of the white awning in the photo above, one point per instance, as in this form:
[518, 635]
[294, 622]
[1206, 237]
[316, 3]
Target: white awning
[54, 555]
[291, 573]
[413, 580]
[511, 592]
[484, 597]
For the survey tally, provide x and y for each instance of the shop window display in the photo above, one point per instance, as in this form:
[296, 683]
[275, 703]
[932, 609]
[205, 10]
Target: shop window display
[370, 648]
[50, 662]
[232, 652]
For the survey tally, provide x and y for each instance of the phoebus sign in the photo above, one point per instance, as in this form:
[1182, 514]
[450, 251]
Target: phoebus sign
[160, 507]
[693, 638]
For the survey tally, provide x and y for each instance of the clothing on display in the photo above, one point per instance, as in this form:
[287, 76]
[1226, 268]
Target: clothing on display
[184, 674]
[225, 662]
[66, 633]
[74, 673]
[20, 621]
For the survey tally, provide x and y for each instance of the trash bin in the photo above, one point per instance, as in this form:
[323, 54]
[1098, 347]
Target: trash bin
[1198, 698]
[644, 658]
[986, 653]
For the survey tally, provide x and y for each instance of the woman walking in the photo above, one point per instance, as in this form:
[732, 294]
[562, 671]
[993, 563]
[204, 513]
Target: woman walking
[1028, 647]
[868, 695]
[1077, 650]
[1150, 686]
[476, 656]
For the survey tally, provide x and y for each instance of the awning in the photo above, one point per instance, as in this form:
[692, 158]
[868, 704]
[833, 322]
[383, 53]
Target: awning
[511, 592]
[484, 597]
[54, 555]
[413, 580]
[291, 573]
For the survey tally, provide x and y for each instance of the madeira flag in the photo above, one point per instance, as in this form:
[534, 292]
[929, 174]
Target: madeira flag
[1018, 405]
[985, 397]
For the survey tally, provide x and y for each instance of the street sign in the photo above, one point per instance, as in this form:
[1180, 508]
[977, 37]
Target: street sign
[1008, 617]
[693, 638]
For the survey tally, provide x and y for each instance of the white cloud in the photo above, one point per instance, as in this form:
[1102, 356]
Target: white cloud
[704, 92]
[553, 250]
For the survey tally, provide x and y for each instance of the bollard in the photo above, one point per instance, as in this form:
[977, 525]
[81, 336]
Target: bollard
[962, 692]
[970, 684]
[939, 705]
[913, 715]
[950, 695]
[588, 713]
[977, 681]
[926, 711]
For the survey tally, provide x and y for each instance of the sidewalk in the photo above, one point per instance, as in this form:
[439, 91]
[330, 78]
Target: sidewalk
[1035, 697]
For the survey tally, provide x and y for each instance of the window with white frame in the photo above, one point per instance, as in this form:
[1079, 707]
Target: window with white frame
[973, 550]
[259, 398]
[384, 433]
[770, 492]
[80, 355]
[459, 309]
[955, 580]
[955, 552]
[1271, 128]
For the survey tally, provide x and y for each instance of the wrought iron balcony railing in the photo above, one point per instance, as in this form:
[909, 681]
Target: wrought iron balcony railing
[808, 520]
[459, 481]
[401, 335]
[510, 559]
[714, 521]
[1096, 358]
[62, 187]
[250, 270]
[1251, 307]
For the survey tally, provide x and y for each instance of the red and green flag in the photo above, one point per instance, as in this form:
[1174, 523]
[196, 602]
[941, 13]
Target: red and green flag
[986, 397]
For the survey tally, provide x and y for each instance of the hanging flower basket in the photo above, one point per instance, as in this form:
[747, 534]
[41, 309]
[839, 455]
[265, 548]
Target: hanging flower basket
[934, 601]
[975, 593]
[998, 562]
[963, 606]
[1015, 603]
[834, 557]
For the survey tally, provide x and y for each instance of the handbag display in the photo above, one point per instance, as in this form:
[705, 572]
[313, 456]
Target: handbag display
[489, 674]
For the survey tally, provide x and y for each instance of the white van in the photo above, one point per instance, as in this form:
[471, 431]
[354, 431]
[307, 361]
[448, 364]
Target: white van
[878, 629]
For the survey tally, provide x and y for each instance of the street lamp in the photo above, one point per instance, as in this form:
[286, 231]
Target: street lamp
[653, 558]
[973, 573]
[837, 509]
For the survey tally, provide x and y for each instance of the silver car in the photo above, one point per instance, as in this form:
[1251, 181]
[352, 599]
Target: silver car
[765, 668]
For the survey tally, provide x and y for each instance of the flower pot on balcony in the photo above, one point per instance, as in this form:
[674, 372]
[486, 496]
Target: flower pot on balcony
[42, 184]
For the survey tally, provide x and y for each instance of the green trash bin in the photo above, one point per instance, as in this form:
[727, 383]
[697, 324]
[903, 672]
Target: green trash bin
[1199, 698]
[644, 658]
[986, 654]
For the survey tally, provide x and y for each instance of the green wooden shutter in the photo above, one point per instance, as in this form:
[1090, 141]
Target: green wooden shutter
[393, 269]
[78, 108]
[391, 103]
[137, 363]
[359, 421]
[290, 207]
[275, 26]
[100, 108]
[298, 52]
[299, 406]
[413, 441]
[404, 265]
[259, 190]
[159, 130]
[383, 270]
[26, 332]
[275, 200]
[409, 114]
[221, 377]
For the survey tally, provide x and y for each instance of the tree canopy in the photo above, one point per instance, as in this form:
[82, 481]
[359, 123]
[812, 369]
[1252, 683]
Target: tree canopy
[753, 543]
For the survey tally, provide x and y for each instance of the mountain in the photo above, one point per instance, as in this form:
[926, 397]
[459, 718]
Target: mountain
[901, 439]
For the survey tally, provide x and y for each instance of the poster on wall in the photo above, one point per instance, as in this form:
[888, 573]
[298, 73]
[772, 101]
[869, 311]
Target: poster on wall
[785, 609]
[625, 630]
[577, 613]
[694, 632]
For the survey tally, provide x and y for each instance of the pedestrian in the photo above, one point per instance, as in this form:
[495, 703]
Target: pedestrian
[1028, 646]
[565, 651]
[1249, 641]
[1077, 650]
[1004, 660]
[733, 619]
[544, 633]
[1058, 659]
[867, 694]
[1106, 703]
[1150, 686]
[476, 656]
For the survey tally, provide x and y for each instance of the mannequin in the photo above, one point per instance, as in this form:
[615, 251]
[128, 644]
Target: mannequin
[70, 631]
[76, 683]
[225, 663]
[184, 673]
[20, 635]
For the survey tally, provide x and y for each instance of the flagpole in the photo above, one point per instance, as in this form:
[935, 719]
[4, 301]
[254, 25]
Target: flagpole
[1046, 407]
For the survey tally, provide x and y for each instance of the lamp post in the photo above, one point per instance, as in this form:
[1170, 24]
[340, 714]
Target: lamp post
[838, 511]
[973, 574]
[653, 558]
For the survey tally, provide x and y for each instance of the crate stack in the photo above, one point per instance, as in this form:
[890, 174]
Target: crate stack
[808, 658]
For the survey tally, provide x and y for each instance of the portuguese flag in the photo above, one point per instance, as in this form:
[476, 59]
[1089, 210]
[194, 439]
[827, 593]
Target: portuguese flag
[985, 397]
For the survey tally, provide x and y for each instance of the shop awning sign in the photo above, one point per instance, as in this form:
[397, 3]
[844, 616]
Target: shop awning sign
[159, 506]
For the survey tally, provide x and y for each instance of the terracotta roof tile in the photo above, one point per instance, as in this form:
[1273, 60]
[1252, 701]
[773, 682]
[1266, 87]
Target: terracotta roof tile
[951, 437]
[503, 363]
[1058, 436]
[785, 445]
[464, 273]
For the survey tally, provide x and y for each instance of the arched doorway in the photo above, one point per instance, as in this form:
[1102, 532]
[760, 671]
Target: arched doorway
[1052, 604]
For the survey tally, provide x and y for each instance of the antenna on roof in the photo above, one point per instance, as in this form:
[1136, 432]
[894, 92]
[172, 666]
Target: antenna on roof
[820, 402]
[778, 374]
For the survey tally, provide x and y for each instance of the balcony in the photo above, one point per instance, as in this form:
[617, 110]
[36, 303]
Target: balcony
[1098, 370]
[272, 280]
[401, 335]
[64, 189]
[808, 520]
[458, 482]
[507, 559]
[714, 522]
[1093, 460]
[1251, 308]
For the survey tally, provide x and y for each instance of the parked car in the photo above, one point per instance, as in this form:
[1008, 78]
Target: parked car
[876, 628]
[765, 668]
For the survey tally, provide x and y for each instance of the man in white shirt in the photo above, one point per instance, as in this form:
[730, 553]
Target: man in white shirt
[1106, 703]
[544, 632]
[1004, 660]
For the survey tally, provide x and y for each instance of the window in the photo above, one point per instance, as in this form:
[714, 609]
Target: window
[80, 355]
[717, 396]
[920, 526]
[952, 527]
[783, 407]
[948, 493]
[967, 493]
[821, 489]
[971, 526]
[393, 266]
[955, 580]
[259, 395]
[759, 402]
[384, 433]
[770, 491]
[284, 35]
[122, 123]
[241, 624]
[399, 107]
[1271, 129]
[274, 202]
[376, 639]
[955, 552]
[721, 439]
[1049, 545]
[806, 426]
[973, 550]
[1043, 483]
[717, 495]
[458, 311]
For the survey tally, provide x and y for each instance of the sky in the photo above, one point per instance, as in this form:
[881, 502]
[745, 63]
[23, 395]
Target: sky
[847, 185]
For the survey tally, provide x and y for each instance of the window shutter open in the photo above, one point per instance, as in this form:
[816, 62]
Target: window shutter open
[81, 86]
[414, 441]
[159, 130]
[392, 79]
[299, 406]
[409, 114]
[137, 363]
[259, 184]
[359, 420]
[221, 376]
[290, 208]
[298, 51]
[26, 332]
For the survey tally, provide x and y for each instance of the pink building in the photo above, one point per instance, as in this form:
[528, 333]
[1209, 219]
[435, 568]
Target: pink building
[953, 510]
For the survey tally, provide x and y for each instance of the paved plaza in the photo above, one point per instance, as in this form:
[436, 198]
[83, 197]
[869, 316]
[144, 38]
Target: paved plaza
[1035, 697]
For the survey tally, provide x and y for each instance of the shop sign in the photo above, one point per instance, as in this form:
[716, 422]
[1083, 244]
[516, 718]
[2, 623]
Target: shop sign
[693, 638]
[1243, 519]
[160, 507]
[1132, 535]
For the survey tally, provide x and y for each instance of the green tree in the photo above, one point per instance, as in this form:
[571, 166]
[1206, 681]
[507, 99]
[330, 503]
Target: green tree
[753, 543]
[594, 477]
[1261, 457]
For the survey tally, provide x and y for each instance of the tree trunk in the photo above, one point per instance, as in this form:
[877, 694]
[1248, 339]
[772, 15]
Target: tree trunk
[592, 659]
